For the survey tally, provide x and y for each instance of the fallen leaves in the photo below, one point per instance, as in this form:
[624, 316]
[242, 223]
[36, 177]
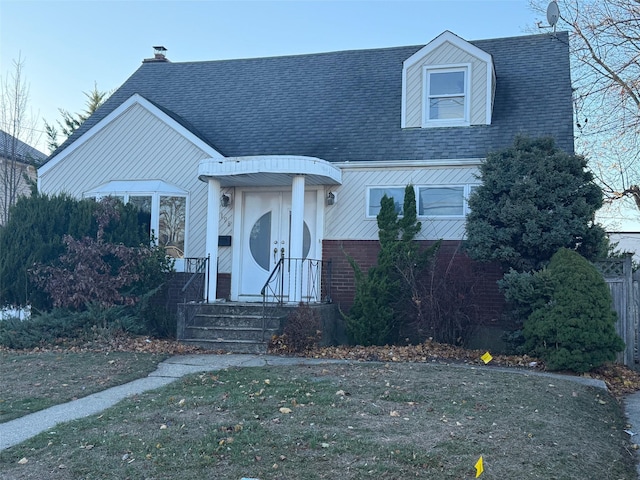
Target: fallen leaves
[619, 379]
[428, 351]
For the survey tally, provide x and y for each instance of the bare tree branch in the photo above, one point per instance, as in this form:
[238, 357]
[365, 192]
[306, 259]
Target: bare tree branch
[18, 127]
[605, 51]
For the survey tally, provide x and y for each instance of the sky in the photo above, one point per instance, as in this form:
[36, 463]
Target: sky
[67, 47]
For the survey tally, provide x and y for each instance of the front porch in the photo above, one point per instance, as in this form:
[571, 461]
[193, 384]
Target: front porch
[272, 207]
[240, 327]
[247, 327]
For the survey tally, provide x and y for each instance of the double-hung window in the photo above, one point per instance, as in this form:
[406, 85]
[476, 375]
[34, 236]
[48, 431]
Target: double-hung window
[446, 96]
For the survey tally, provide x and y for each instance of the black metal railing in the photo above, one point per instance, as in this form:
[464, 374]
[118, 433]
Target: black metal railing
[302, 280]
[298, 279]
[197, 287]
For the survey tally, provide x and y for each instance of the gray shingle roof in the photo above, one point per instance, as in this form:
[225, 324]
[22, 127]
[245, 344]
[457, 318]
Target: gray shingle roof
[11, 147]
[346, 106]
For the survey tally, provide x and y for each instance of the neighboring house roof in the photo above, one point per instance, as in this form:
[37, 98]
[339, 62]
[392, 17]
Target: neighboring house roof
[346, 106]
[23, 152]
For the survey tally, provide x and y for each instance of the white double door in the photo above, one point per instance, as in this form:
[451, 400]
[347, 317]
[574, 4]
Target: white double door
[265, 238]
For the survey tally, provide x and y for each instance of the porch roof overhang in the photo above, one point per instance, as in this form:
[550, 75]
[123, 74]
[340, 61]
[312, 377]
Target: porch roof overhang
[268, 170]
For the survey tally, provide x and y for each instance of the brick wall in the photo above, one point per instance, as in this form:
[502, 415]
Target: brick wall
[172, 293]
[476, 281]
[223, 287]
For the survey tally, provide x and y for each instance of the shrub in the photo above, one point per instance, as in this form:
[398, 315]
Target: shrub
[35, 233]
[303, 330]
[575, 330]
[446, 304]
[96, 270]
[525, 292]
[388, 291]
[370, 320]
[534, 199]
[62, 324]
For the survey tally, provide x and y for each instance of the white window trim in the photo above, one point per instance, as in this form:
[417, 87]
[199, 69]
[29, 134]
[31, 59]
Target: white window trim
[465, 201]
[149, 188]
[463, 122]
[368, 197]
[465, 204]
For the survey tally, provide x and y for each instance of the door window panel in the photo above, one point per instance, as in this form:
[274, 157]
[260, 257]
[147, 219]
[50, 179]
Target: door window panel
[260, 241]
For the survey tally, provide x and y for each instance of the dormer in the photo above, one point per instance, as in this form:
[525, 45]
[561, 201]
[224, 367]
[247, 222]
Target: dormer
[447, 83]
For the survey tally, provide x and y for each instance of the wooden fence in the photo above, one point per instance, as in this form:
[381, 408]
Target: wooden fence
[625, 292]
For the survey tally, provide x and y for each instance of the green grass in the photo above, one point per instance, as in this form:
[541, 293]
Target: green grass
[357, 421]
[36, 381]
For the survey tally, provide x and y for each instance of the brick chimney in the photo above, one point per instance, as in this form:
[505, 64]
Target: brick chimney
[159, 55]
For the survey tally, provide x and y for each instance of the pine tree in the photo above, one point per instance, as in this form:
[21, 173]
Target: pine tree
[389, 286]
[534, 199]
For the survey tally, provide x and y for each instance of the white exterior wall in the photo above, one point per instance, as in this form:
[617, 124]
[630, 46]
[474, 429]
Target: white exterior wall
[226, 228]
[347, 219]
[137, 145]
[17, 171]
[447, 54]
[628, 242]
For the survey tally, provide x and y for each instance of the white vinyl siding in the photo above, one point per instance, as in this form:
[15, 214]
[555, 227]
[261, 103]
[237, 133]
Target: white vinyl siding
[480, 93]
[348, 218]
[136, 146]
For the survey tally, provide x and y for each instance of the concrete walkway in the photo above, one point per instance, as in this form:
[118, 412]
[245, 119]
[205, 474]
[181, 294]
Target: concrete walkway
[632, 411]
[21, 429]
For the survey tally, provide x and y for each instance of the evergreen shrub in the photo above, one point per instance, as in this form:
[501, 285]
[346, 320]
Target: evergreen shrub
[61, 324]
[386, 294]
[35, 235]
[575, 329]
[534, 199]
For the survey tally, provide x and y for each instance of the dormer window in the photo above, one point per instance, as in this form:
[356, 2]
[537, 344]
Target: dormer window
[446, 96]
[447, 83]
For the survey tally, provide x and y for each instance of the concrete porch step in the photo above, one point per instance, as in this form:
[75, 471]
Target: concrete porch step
[225, 320]
[240, 327]
[229, 333]
[235, 346]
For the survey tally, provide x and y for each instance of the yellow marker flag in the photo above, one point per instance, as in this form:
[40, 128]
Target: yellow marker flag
[479, 467]
[486, 358]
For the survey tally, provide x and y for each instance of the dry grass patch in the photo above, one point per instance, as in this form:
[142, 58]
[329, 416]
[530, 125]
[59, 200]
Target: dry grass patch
[346, 421]
[34, 381]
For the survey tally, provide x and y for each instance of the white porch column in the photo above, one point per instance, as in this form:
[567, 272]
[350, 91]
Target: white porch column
[297, 235]
[213, 227]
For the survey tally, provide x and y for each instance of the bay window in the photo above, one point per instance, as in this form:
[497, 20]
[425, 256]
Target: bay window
[165, 203]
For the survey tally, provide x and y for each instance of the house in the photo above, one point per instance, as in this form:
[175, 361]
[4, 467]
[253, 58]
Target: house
[252, 160]
[17, 161]
[626, 242]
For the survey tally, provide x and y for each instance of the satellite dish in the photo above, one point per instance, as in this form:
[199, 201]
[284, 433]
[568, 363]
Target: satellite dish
[553, 14]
